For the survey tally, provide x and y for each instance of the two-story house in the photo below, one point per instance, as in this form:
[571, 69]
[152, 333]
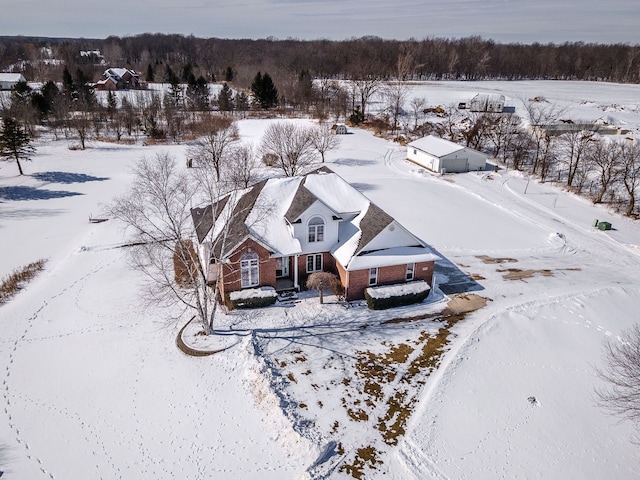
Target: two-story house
[279, 231]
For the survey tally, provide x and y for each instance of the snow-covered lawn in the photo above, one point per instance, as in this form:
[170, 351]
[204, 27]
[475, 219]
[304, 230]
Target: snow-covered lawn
[94, 387]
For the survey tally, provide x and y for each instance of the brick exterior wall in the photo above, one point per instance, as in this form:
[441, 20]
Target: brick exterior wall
[231, 271]
[355, 282]
[328, 265]
[358, 280]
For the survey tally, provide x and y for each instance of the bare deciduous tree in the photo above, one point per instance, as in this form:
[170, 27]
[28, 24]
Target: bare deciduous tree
[541, 115]
[418, 105]
[621, 371]
[323, 139]
[604, 156]
[291, 145]
[574, 145]
[242, 166]
[630, 173]
[218, 133]
[157, 211]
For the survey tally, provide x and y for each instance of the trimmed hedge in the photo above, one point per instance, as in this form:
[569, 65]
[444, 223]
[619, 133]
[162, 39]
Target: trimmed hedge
[258, 300]
[394, 301]
[253, 302]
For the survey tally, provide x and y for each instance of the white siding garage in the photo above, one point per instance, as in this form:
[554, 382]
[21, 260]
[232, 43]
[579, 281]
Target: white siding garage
[440, 155]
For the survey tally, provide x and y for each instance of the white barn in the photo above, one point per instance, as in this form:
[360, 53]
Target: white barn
[487, 103]
[9, 80]
[443, 156]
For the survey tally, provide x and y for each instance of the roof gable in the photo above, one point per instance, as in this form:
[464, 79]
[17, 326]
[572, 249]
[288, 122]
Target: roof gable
[373, 222]
[438, 147]
[302, 200]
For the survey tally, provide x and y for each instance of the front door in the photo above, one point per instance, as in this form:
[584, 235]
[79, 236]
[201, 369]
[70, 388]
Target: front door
[282, 267]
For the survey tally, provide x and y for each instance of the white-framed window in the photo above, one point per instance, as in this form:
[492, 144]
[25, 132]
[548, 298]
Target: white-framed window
[249, 270]
[316, 230]
[411, 268]
[314, 262]
[373, 276]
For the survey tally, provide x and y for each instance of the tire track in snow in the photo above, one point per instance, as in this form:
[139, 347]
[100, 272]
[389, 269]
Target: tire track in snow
[450, 361]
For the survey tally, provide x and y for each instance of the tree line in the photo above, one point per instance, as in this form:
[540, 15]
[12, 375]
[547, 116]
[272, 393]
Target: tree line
[216, 59]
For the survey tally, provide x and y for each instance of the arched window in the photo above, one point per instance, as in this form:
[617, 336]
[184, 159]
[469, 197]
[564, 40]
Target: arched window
[316, 230]
[249, 270]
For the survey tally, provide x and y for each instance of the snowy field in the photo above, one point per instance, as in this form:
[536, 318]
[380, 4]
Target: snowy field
[93, 385]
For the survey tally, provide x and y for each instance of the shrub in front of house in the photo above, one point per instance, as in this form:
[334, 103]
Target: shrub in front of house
[389, 296]
[253, 297]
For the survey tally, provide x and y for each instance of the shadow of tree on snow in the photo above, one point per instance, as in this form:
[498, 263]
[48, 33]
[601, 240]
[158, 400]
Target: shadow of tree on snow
[66, 177]
[32, 193]
[353, 162]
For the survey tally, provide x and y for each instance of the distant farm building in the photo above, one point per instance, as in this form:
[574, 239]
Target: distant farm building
[487, 103]
[339, 129]
[440, 155]
[9, 80]
[119, 79]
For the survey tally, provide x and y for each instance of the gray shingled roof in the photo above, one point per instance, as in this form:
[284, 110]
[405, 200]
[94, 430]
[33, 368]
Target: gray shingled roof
[373, 222]
[238, 230]
[203, 217]
[302, 200]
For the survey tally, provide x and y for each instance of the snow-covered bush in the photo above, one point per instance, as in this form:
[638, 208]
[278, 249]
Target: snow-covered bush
[389, 296]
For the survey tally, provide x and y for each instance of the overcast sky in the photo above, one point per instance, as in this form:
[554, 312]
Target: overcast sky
[524, 21]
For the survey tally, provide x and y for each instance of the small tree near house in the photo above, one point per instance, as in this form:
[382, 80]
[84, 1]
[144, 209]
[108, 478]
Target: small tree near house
[15, 143]
[157, 211]
[321, 281]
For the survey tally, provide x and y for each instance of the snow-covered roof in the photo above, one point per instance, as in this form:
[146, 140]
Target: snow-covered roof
[392, 256]
[336, 193]
[264, 212]
[438, 147]
[118, 73]
[11, 77]
[493, 97]
[268, 223]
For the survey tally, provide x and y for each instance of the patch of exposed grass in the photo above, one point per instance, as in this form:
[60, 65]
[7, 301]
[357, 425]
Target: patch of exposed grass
[517, 274]
[14, 282]
[365, 457]
[491, 260]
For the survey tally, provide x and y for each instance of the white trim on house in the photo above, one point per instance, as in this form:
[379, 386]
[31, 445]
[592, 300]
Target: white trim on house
[442, 156]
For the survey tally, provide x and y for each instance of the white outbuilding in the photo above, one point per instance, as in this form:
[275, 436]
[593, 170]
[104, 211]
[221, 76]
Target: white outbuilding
[443, 156]
[9, 80]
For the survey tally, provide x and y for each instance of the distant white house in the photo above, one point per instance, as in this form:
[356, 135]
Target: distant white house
[443, 156]
[9, 80]
[487, 103]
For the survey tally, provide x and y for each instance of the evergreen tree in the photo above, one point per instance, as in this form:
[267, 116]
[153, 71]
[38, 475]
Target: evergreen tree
[68, 87]
[228, 75]
[86, 92]
[15, 144]
[197, 93]
[225, 99]
[242, 102]
[43, 100]
[175, 89]
[149, 77]
[264, 91]
[112, 104]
